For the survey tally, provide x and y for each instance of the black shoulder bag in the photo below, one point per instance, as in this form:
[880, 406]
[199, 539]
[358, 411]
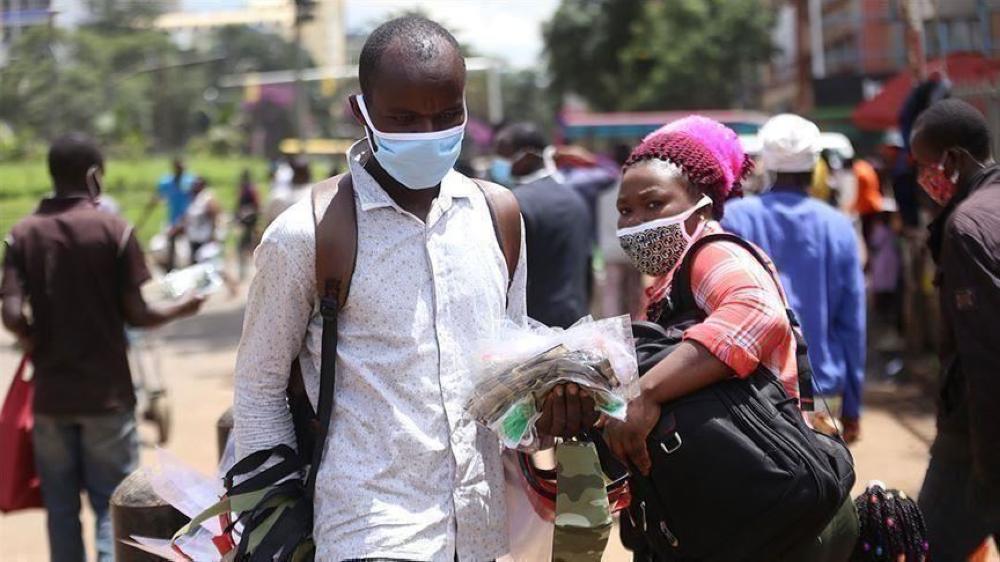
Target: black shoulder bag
[737, 475]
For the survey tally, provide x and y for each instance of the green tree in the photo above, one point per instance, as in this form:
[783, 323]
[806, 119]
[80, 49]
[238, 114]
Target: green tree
[246, 49]
[658, 54]
[525, 98]
[118, 84]
[122, 14]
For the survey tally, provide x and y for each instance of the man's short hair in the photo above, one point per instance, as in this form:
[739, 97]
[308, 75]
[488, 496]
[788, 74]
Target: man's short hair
[523, 136]
[420, 37]
[71, 156]
[954, 123]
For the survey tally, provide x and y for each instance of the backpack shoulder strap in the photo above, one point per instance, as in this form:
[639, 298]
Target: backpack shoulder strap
[681, 284]
[335, 219]
[681, 293]
[506, 215]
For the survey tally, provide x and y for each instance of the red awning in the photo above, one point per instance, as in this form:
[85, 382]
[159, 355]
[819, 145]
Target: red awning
[882, 111]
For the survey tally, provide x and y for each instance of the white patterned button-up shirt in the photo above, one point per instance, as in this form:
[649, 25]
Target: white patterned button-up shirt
[406, 473]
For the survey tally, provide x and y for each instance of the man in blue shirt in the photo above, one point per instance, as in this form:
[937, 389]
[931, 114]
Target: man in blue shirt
[815, 249]
[175, 189]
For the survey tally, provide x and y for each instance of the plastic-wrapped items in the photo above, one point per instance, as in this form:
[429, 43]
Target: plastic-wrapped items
[517, 367]
[200, 278]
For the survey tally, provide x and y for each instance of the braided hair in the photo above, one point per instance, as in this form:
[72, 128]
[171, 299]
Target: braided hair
[890, 525]
[707, 153]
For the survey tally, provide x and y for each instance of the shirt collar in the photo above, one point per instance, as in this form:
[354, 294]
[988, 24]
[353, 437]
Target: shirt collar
[372, 196]
[57, 204]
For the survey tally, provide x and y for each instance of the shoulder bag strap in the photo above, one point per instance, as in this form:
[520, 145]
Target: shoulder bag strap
[681, 292]
[335, 219]
[506, 216]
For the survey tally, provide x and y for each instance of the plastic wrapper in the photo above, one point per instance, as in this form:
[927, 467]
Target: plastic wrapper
[518, 365]
[200, 279]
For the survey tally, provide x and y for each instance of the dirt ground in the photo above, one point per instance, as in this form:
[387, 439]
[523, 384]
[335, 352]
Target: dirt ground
[197, 354]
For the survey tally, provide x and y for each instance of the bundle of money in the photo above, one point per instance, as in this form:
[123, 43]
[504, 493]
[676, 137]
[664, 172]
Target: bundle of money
[510, 401]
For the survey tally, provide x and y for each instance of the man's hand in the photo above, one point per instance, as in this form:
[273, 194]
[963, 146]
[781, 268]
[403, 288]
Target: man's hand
[566, 412]
[189, 306]
[627, 439]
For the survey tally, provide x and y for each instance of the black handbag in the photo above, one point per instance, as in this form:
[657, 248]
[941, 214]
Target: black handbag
[737, 475]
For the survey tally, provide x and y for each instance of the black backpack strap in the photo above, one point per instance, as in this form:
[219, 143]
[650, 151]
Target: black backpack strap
[506, 215]
[682, 297]
[336, 220]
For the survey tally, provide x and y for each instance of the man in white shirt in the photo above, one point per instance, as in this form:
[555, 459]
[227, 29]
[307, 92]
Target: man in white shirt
[406, 473]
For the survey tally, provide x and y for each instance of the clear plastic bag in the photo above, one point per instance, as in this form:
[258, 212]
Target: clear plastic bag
[518, 365]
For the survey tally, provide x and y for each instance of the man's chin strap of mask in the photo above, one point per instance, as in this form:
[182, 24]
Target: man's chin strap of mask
[548, 169]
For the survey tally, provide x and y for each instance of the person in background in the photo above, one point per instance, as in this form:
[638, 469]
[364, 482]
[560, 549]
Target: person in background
[884, 269]
[820, 184]
[816, 252]
[289, 189]
[557, 228]
[247, 213]
[175, 189]
[80, 270]
[619, 285]
[201, 218]
[869, 202]
[960, 497]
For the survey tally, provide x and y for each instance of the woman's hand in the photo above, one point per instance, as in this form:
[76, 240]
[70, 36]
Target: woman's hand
[627, 439]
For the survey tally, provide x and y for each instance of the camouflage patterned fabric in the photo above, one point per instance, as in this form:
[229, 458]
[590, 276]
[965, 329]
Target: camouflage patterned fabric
[583, 517]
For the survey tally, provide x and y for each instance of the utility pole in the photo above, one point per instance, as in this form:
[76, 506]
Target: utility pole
[303, 13]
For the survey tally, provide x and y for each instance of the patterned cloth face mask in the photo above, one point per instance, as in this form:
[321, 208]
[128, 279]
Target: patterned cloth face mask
[938, 186]
[656, 246]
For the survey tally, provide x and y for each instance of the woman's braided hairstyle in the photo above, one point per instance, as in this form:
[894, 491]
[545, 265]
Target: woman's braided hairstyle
[708, 153]
[890, 525]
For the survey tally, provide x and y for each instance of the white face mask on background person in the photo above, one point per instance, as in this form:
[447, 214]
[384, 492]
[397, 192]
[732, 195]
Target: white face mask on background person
[416, 160]
[655, 247]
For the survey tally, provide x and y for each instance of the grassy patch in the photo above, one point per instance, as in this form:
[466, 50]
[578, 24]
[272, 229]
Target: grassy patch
[131, 182]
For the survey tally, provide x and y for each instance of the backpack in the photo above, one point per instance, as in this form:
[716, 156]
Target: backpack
[289, 531]
[737, 475]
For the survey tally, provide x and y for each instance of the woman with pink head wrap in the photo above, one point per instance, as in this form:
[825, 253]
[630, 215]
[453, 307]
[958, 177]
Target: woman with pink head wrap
[673, 192]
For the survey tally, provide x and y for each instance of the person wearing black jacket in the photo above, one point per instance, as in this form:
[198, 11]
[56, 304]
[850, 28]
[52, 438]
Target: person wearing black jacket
[961, 492]
[557, 226]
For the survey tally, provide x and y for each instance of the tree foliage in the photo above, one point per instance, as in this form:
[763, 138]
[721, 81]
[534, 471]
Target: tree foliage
[247, 49]
[133, 88]
[657, 54]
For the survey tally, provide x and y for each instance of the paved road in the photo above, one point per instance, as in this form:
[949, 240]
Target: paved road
[197, 359]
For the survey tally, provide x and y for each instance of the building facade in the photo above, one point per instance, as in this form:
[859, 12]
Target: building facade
[834, 54]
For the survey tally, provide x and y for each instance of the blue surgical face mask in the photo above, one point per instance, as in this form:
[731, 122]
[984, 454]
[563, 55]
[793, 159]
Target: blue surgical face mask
[416, 160]
[500, 171]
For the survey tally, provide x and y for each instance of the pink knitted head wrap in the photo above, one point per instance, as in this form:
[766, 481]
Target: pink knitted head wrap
[721, 141]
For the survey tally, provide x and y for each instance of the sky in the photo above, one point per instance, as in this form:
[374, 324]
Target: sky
[510, 30]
